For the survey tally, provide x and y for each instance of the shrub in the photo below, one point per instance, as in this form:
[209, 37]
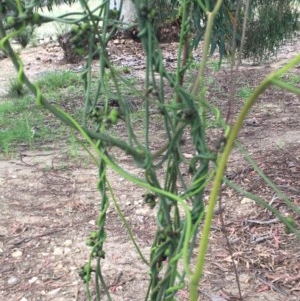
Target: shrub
[25, 36]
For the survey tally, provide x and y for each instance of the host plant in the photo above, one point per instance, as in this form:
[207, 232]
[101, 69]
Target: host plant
[179, 213]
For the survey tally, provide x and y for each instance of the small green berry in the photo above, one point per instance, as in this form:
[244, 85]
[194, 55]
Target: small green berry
[10, 20]
[89, 242]
[113, 116]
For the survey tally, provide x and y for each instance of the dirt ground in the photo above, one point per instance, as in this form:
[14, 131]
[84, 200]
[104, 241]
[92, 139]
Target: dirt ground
[49, 202]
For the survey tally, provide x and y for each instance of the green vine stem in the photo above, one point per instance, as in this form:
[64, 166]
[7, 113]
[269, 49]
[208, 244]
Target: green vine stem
[211, 17]
[269, 80]
[269, 182]
[264, 204]
[126, 224]
[89, 136]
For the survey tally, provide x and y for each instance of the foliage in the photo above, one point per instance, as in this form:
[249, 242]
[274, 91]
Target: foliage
[275, 21]
[270, 23]
[25, 36]
[164, 12]
[177, 199]
[11, 6]
[50, 3]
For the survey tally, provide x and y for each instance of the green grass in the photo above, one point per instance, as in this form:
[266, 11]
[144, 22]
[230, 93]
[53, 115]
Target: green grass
[52, 81]
[244, 92]
[23, 123]
[291, 78]
[64, 88]
[15, 89]
[17, 123]
[214, 65]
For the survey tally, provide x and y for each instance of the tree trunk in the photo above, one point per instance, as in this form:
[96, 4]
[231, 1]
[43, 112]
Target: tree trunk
[128, 12]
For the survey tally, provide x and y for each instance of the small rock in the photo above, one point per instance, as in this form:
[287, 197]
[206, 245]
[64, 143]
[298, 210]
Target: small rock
[188, 156]
[245, 278]
[17, 254]
[58, 251]
[123, 197]
[12, 280]
[23, 299]
[142, 211]
[140, 219]
[247, 201]
[56, 49]
[68, 243]
[67, 250]
[33, 280]
[54, 292]
[139, 202]
[291, 164]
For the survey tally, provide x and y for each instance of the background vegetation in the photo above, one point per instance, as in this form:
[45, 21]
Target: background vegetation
[276, 21]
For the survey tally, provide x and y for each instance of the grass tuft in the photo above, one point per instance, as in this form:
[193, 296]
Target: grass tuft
[15, 89]
[51, 81]
[25, 36]
[23, 123]
[244, 92]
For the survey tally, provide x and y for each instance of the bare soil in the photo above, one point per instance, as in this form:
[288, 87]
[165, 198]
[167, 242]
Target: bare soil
[49, 202]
